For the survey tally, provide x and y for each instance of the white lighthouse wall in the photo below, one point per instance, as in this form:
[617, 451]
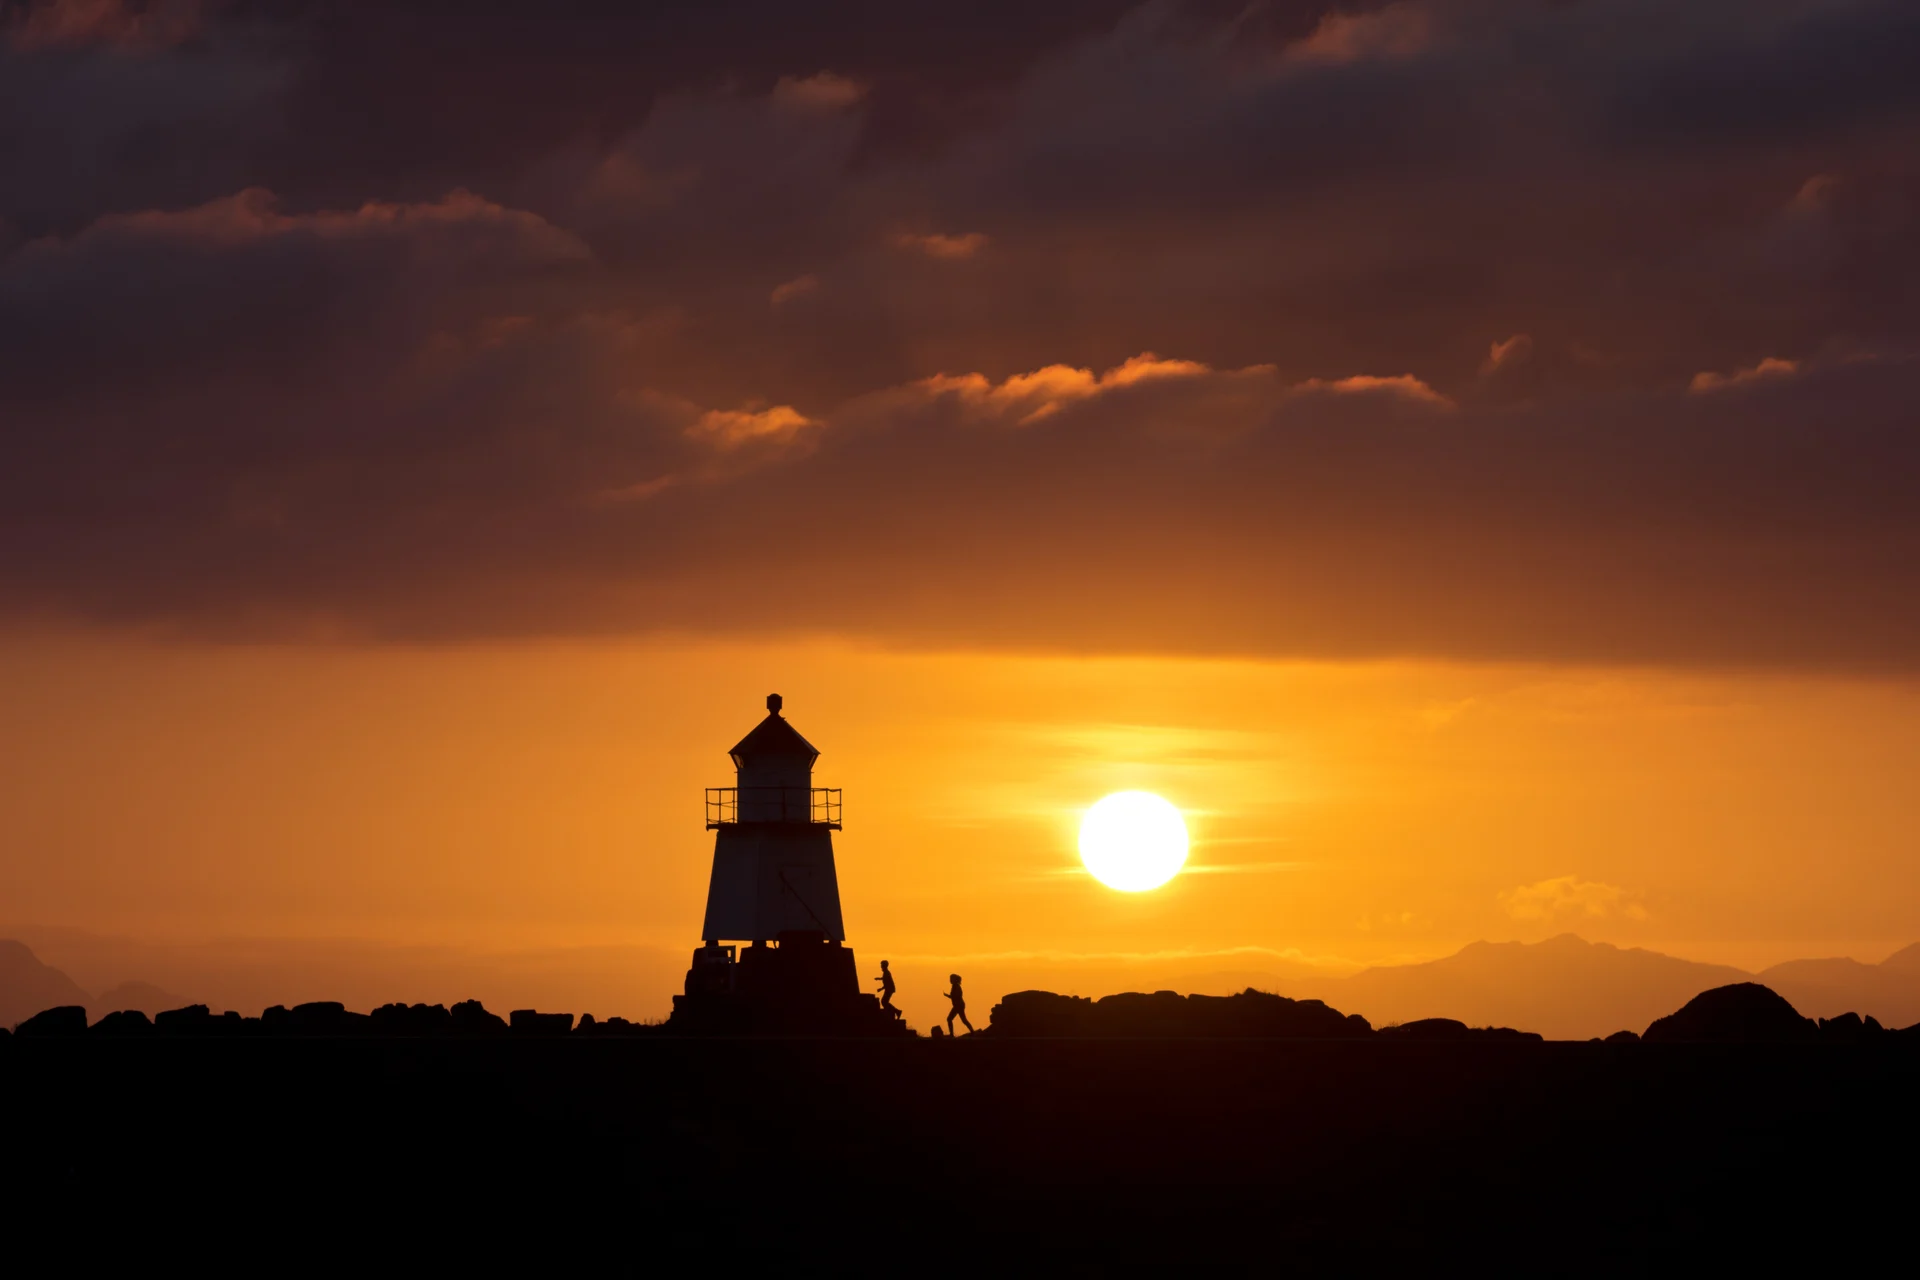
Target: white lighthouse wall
[774, 788]
[769, 878]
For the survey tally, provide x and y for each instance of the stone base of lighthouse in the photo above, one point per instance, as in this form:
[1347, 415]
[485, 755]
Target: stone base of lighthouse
[801, 984]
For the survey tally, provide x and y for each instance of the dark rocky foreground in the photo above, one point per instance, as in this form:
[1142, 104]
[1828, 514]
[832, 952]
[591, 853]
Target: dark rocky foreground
[1095, 1155]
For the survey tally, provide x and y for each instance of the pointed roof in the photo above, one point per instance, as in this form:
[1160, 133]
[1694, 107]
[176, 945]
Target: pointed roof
[774, 737]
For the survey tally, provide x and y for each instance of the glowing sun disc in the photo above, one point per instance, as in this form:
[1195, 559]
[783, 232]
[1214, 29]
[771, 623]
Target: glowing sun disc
[1133, 841]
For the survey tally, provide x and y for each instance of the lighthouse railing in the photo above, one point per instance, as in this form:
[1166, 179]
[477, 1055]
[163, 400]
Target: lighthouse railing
[817, 805]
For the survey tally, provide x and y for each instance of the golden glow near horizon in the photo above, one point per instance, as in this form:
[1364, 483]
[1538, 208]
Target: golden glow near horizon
[1133, 841]
[426, 804]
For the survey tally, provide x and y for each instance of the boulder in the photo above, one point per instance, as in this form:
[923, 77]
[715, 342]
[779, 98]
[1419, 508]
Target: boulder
[1167, 1015]
[1624, 1037]
[1427, 1029]
[328, 1018]
[1262, 1015]
[123, 1022]
[1743, 1012]
[470, 1018]
[193, 1019]
[1454, 1029]
[1134, 1014]
[198, 1020]
[1850, 1026]
[615, 1026]
[61, 1020]
[1039, 1013]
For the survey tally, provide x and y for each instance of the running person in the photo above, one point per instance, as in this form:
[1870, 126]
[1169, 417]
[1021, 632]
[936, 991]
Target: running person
[959, 1009]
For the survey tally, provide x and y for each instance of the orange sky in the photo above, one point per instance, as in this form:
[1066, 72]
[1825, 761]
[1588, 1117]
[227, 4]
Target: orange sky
[536, 799]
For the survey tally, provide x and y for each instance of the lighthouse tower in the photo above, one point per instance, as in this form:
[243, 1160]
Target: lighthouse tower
[774, 948]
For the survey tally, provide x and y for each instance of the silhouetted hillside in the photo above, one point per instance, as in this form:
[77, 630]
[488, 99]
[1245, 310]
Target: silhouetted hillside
[1743, 1012]
[1750, 1013]
[28, 986]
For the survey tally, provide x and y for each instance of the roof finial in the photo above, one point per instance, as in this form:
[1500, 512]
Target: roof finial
[773, 703]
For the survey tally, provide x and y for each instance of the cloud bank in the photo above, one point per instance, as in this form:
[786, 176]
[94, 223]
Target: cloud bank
[1484, 329]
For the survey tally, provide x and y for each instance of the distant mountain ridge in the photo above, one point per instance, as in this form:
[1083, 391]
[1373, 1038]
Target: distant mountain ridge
[27, 986]
[1567, 988]
[1890, 990]
[1564, 988]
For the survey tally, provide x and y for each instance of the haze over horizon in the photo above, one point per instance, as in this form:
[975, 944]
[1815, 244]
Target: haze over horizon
[1463, 453]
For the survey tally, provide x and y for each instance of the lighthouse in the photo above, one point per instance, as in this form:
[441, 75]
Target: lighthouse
[773, 951]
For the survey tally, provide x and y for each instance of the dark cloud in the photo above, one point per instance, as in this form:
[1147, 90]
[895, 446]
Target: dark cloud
[1576, 330]
[339, 100]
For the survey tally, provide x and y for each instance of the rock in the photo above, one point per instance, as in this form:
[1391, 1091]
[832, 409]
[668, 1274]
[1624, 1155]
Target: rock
[1453, 1029]
[1742, 1012]
[1262, 1015]
[1429, 1029]
[470, 1018]
[327, 1018]
[1624, 1037]
[193, 1019]
[198, 1020]
[61, 1020]
[1168, 1015]
[1850, 1026]
[123, 1022]
[1038, 1013]
[615, 1026]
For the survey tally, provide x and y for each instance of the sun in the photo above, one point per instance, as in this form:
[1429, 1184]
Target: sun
[1133, 841]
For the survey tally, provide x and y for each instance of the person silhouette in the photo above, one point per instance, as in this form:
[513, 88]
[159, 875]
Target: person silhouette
[959, 1009]
[885, 982]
